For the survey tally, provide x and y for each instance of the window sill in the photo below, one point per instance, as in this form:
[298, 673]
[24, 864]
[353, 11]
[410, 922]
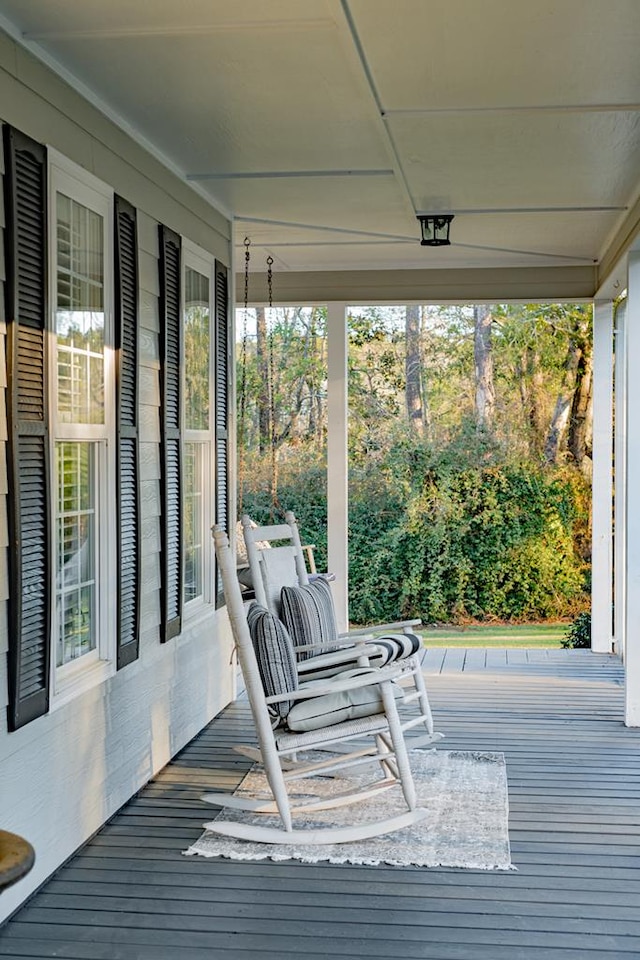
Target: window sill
[194, 620]
[200, 610]
[84, 680]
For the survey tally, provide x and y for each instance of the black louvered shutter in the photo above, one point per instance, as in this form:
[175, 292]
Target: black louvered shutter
[171, 418]
[28, 449]
[222, 406]
[126, 341]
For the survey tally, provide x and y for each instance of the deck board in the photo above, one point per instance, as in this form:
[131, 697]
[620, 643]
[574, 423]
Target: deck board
[574, 794]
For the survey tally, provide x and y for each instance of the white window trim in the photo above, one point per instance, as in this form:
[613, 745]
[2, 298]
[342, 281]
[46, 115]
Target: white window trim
[70, 680]
[195, 258]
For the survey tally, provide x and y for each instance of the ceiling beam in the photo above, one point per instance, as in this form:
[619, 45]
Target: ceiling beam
[414, 113]
[288, 174]
[470, 211]
[181, 30]
[486, 285]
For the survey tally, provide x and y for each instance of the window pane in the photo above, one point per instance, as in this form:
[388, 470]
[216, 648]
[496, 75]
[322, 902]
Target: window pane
[75, 560]
[80, 312]
[196, 350]
[193, 497]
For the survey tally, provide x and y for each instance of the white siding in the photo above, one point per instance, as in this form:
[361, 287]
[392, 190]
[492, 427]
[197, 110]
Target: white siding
[63, 775]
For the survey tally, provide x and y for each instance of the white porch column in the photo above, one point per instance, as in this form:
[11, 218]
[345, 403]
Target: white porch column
[601, 494]
[632, 570]
[620, 482]
[337, 460]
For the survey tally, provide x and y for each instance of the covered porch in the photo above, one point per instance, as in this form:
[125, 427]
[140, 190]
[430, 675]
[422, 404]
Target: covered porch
[322, 130]
[574, 794]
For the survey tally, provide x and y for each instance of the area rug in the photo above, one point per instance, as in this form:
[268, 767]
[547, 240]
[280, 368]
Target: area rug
[465, 794]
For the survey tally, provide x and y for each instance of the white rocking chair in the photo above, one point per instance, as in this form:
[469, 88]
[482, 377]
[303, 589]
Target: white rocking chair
[279, 746]
[274, 567]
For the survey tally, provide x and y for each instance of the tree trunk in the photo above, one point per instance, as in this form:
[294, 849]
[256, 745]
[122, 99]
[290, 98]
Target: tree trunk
[531, 384]
[415, 410]
[485, 390]
[580, 435]
[560, 418]
[314, 430]
[262, 358]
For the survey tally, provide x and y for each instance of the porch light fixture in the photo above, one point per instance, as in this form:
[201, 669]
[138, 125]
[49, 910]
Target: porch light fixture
[435, 229]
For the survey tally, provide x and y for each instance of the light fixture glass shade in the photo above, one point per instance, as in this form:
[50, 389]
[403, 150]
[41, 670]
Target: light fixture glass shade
[435, 229]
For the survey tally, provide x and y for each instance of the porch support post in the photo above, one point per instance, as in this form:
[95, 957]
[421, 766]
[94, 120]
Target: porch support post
[337, 460]
[620, 481]
[632, 570]
[601, 536]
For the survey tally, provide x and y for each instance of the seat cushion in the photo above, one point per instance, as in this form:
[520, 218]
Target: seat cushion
[332, 708]
[309, 615]
[275, 656]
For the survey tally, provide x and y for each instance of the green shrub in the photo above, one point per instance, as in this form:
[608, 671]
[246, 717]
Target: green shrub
[578, 636]
[459, 545]
[431, 537]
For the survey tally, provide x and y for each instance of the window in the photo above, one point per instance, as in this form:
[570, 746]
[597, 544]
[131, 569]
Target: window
[81, 408]
[76, 551]
[71, 293]
[61, 413]
[198, 424]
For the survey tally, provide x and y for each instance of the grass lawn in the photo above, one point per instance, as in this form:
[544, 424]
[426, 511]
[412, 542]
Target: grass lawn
[523, 635]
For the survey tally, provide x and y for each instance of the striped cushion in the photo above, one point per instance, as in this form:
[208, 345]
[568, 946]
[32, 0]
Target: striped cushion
[399, 645]
[327, 665]
[275, 656]
[309, 615]
[380, 651]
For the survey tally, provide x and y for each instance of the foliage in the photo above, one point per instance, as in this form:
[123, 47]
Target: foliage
[453, 544]
[578, 636]
[452, 522]
[430, 539]
[296, 368]
[303, 489]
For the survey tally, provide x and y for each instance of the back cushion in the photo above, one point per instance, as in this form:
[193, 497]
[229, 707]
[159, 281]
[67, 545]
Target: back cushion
[275, 656]
[278, 568]
[309, 615]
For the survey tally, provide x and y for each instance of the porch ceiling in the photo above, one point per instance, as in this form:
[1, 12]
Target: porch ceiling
[323, 127]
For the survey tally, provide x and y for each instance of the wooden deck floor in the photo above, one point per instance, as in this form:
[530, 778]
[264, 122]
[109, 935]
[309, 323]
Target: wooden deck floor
[574, 787]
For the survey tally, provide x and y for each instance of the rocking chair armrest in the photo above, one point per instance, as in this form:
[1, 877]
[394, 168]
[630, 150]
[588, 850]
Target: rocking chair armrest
[319, 688]
[334, 658]
[400, 625]
[355, 638]
[328, 647]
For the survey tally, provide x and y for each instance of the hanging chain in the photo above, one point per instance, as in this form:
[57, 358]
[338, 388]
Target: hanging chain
[272, 391]
[243, 380]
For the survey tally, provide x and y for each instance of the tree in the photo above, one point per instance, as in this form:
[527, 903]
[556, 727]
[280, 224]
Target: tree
[316, 373]
[573, 400]
[485, 390]
[580, 433]
[531, 347]
[262, 399]
[531, 385]
[413, 369]
[469, 520]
